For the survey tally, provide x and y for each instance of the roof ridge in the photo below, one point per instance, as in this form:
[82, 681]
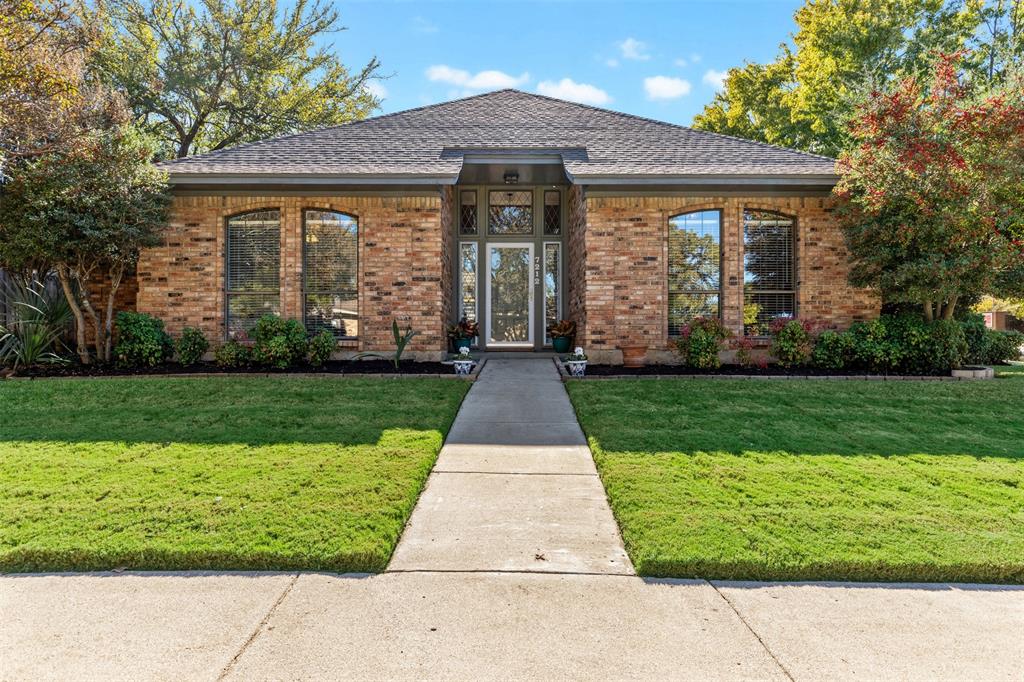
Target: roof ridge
[666, 123]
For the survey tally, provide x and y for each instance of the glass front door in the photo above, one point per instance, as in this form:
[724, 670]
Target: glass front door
[510, 294]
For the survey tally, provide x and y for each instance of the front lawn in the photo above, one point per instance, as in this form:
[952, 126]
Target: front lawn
[214, 473]
[814, 480]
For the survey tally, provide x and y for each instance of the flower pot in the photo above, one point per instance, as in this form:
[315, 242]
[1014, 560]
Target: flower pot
[633, 356]
[561, 344]
[463, 343]
[463, 367]
[577, 368]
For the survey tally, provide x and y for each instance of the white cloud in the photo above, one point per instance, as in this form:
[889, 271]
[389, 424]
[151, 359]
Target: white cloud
[377, 89]
[611, 63]
[634, 49]
[574, 92]
[681, 62]
[423, 25]
[715, 79]
[694, 58]
[666, 87]
[483, 80]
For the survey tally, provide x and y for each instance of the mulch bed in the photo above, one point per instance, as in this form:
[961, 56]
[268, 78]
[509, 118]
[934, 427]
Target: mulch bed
[332, 367]
[724, 370]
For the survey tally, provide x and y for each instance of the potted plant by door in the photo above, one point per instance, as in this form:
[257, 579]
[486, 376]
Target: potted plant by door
[577, 362]
[463, 362]
[561, 334]
[463, 333]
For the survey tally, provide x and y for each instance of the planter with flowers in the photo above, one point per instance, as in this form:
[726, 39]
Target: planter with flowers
[562, 334]
[463, 333]
[463, 362]
[577, 362]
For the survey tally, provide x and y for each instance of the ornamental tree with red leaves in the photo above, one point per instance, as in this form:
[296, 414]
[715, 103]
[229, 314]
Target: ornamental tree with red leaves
[932, 194]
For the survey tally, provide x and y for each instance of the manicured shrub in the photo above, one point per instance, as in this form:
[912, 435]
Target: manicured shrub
[191, 346]
[141, 341]
[833, 350]
[232, 354]
[320, 348]
[792, 342]
[701, 341]
[978, 338]
[944, 347]
[1004, 346]
[873, 349]
[278, 343]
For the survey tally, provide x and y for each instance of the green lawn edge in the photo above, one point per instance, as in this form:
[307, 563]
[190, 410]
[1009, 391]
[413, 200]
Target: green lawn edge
[1009, 572]
[35, 557]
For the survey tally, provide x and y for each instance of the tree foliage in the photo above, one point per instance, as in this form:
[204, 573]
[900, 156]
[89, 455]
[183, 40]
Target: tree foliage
[844, 49]
[221, 72]
[934, 191]
[46, 98]
[85, 213]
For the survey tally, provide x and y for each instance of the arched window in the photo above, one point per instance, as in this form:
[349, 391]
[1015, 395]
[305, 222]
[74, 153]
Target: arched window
[769, 269]
[331, 273]
[694, 268]
[253, 268]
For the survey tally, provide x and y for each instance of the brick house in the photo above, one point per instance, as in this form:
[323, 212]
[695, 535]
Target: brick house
[507, 208]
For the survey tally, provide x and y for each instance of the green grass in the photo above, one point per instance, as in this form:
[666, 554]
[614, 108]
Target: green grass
[814, 480]
[214, 473]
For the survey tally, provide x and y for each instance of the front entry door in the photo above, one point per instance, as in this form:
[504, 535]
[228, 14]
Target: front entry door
[510, 295]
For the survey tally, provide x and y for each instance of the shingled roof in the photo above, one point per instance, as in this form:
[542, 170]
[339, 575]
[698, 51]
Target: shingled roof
[429, 144]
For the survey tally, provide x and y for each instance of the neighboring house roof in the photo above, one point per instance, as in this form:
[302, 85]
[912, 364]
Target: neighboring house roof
[430, 144]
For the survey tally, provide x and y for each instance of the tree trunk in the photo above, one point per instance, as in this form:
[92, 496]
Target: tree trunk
[83, 293]
[80, 346]
[947, 312]
[116, 275]
[929, 315]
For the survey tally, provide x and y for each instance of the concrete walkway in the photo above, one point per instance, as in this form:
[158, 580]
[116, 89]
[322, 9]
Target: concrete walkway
[514, 488]
[511, 568]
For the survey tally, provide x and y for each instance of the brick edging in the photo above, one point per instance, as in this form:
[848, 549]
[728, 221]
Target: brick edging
[800, 377]
[254, 375]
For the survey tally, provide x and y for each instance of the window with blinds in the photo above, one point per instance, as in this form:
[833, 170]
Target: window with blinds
[253, 271]
[769, 269]
[694, 268]
[331, 273]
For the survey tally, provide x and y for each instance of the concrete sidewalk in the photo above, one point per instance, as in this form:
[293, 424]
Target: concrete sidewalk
[489, 626]
[515, 487]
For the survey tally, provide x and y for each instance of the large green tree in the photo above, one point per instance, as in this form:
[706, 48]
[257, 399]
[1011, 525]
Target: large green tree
[214, 73]
[933, 191]
[86, 213]
[844, 49]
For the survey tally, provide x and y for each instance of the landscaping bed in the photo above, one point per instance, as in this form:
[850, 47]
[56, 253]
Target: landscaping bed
[218, 473]
[738, 371]
[888, 481]
[171, 368]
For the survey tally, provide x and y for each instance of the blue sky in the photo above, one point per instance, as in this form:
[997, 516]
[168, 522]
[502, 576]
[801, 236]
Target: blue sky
[656, 59]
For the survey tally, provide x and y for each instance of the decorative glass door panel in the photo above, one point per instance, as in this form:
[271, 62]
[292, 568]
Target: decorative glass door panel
[510, 294]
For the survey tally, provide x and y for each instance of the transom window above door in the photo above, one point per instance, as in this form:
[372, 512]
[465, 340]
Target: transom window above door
[510, 212]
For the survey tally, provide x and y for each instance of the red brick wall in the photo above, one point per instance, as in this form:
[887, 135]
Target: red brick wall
[624, 288]
[401, 265]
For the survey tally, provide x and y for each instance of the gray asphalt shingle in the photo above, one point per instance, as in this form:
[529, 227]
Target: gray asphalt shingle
[429, 141]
